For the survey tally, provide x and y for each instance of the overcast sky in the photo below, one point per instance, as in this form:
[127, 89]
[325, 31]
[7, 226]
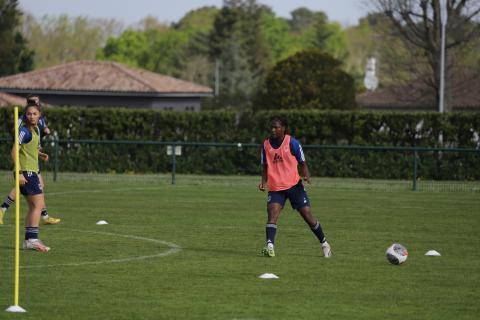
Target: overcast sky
[346, 12]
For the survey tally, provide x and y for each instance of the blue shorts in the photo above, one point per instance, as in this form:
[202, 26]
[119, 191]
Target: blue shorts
[296, 194]
[32, 187]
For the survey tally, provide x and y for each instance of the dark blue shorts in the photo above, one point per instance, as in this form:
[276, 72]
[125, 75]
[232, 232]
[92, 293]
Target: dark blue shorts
[296, 194]
[32, 187]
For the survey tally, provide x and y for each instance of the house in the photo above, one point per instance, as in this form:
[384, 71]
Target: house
[7, 100]
[417, 96]
[102, 83]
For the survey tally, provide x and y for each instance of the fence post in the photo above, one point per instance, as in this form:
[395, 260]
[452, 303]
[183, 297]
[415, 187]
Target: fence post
[55, 158]
[174, 164]
[415, 156]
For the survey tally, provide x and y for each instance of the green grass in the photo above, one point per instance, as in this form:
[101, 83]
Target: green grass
[103, 272]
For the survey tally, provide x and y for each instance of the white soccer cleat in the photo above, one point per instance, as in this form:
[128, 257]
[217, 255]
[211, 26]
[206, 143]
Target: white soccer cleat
[35, 244]
[327, 251]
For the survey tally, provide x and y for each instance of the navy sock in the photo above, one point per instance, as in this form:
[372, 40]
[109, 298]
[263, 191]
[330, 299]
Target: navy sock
[317, 230]
[31, 233]
[44, 212]
[8, 201]
[271, 230]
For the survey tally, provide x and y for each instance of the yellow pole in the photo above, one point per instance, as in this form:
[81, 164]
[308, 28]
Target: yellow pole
[16, 307]
[17, 211]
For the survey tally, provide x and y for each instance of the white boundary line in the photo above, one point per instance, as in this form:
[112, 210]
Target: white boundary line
[173, 248]
[117, 190]
[101, 191]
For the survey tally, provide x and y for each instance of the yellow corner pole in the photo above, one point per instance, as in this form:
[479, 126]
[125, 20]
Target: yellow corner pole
[16, 307]
[17, 210]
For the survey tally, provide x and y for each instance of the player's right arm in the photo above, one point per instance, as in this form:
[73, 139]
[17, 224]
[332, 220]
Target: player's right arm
[263, 162]
[24, 136]
[22, 179]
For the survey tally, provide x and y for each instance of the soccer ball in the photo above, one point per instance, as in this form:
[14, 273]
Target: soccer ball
[397, 254]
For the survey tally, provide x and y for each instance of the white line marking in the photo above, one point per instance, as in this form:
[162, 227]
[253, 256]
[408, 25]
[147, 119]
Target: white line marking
[121, 190]
[100, 191]
[173, 248]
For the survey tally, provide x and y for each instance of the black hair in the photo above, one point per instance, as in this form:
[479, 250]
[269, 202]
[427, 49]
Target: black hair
[34, 105]
[283, 122]
[33, 100]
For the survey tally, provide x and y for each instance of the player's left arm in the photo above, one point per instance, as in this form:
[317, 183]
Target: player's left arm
[43, 126]
[305, 172]
[297, 151]
[43, 156]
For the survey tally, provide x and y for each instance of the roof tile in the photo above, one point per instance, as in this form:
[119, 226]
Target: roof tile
[99, 76]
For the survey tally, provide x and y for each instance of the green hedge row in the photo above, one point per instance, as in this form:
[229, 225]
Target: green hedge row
[458, 130]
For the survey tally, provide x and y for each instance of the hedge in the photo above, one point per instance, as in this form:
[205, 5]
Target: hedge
[459, 130]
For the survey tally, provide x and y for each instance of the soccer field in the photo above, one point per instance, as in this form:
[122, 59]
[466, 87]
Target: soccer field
[191, 251]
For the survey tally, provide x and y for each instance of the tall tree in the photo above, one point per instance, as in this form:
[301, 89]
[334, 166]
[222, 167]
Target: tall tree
[195, 64]
[15, 56]
[237, 44]
[279, 39]
[303, 18]
[313, 31]
[418, 23]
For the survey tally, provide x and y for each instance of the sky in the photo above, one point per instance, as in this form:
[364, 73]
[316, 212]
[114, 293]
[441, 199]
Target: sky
[347, 12]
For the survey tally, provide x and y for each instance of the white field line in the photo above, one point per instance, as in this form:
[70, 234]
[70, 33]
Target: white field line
[62, 193]
[173, 248]
[100, 191]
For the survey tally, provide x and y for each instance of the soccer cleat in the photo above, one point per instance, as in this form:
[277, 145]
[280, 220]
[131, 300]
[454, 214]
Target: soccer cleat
[268, 250]
[327, 251]
[2, 214]
[50, 220]
[35, 244]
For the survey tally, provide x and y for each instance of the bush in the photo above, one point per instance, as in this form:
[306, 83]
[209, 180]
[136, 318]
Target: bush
[310, 127]
[308, 80]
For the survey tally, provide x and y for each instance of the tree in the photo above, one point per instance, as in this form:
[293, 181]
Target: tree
[195, 64]
[418, 24]
[180, 50]
[279, 39]
[158, 49]
[303, 18]
[310, 79]
[236, 43]
[198, 20]
[61, 39]
[15, 56]
[313, 30]
[362, 44]
[131, 48]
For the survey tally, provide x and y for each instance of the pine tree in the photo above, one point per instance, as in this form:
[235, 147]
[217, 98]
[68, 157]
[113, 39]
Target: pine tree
[15, 56]
[237, 44]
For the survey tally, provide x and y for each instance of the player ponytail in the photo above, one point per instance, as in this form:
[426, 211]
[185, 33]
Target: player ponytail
[33, 100]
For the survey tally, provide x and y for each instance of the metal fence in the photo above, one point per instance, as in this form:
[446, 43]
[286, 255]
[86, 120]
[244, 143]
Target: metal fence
[347, 161]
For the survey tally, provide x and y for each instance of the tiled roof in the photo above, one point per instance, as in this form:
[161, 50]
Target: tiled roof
[7, 100]
[413, 95]
[100, 76]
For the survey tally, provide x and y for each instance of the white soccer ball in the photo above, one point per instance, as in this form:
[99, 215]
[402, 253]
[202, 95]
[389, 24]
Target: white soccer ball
[397, 254]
